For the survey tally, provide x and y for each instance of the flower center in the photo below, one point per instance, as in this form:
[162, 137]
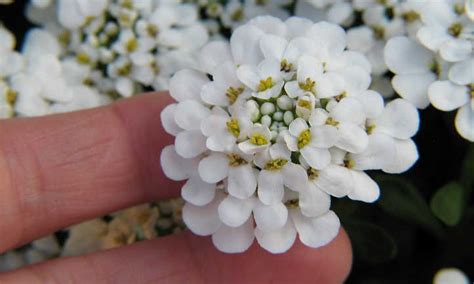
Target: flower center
[459, 9]
[410, 16]
[83, 58]
[236, 160]
[292, 203]
[436, 68]
[276, 164]
[341, 96]
[238, 15]
[455, 29]
[258, 139]
[152, 30]
[370, 128]
[11, 96]
[312, 173]
[131, 44]
[307, 85]
[233, 127]
[305, 104]
[125, 69]
[379, 32]
[265, 84]
[285, 66]
[331, 121]
[233, 93]
[304, 138]
[349, 163]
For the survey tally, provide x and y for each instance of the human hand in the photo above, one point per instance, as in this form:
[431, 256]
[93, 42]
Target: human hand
[63, 169]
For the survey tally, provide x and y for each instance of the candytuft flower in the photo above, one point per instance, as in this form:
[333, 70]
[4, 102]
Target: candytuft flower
[272, 125]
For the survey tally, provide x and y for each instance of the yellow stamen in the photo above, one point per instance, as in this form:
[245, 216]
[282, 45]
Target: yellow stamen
[124, 70]
[233, 127]
[341, 96]
[410, 16]
[285, 66]
[349, 163]
[304, 138]
[236, 160]
[312, 173]
[152, 30]
[83, 58]
[332, 121]
[379, 32]
[455, 29]
[292, 204]
[265, 84]
[276, 164]
[370, 128]
[233, 93]
[258, 139]
[131, 45]
[308, 85]
[238, 15]
[305, 104]
[11, 96]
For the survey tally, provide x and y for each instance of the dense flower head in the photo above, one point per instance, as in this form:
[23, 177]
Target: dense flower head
[274, 123]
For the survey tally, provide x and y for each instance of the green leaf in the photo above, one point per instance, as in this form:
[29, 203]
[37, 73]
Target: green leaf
[371, 243]
[448, 203]
[401, 199]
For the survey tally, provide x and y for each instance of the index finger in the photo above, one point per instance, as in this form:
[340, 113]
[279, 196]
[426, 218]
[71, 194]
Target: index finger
[59, 170]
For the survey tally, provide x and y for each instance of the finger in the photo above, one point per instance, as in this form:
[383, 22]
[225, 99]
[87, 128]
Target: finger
[61, 169]
[189, 259]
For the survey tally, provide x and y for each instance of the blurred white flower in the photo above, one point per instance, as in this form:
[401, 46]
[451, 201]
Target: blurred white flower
[450, 276]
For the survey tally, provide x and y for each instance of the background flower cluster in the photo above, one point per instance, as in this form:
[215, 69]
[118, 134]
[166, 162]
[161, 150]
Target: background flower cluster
[420, 51]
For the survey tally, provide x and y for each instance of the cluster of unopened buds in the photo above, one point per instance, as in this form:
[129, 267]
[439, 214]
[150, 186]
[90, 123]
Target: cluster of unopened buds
[274, 124]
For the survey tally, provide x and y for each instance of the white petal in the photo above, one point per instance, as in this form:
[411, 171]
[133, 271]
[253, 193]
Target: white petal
[465, 122]
[318, 231]
[372, 102]
[297, 126]
[280, 151]
[357, 79]
[331, 36]
[190, 113]
[379, 153]
[330, 85]
[247, 74]
[323, 136]
[363, 187]
[198, 192]
[447, 96]
[349, 110]
[214, 168]
[213, 54]
[69, 14]
[234, 211]
[214, 93]
[203, 220]
[352, 138]
[400, 119]
[360, 39]
[277, 241]
[190, 143]
[39, 42]
[234, 240]
[414, 88]
[335, 180]
[270, 217]
[294, 176]
[456, 50]
[405, 56]
[186, 85]
[173, 165]
[406, 154]
[245, 45]
[167, 120]
[313, 201]
[270, 187]
[242, 182]
[316, 157]
[450, 275]
[462, 73]
[432, 36]
[273, 46]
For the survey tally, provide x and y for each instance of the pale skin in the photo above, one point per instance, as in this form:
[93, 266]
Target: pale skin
[59, 170]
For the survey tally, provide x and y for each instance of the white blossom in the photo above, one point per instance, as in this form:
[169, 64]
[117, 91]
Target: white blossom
[272, 125]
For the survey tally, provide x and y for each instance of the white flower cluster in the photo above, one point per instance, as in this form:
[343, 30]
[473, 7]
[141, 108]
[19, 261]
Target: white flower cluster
[128, 46]
[274, 124]
[10, 63]
[437, 64]
[429, 47]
